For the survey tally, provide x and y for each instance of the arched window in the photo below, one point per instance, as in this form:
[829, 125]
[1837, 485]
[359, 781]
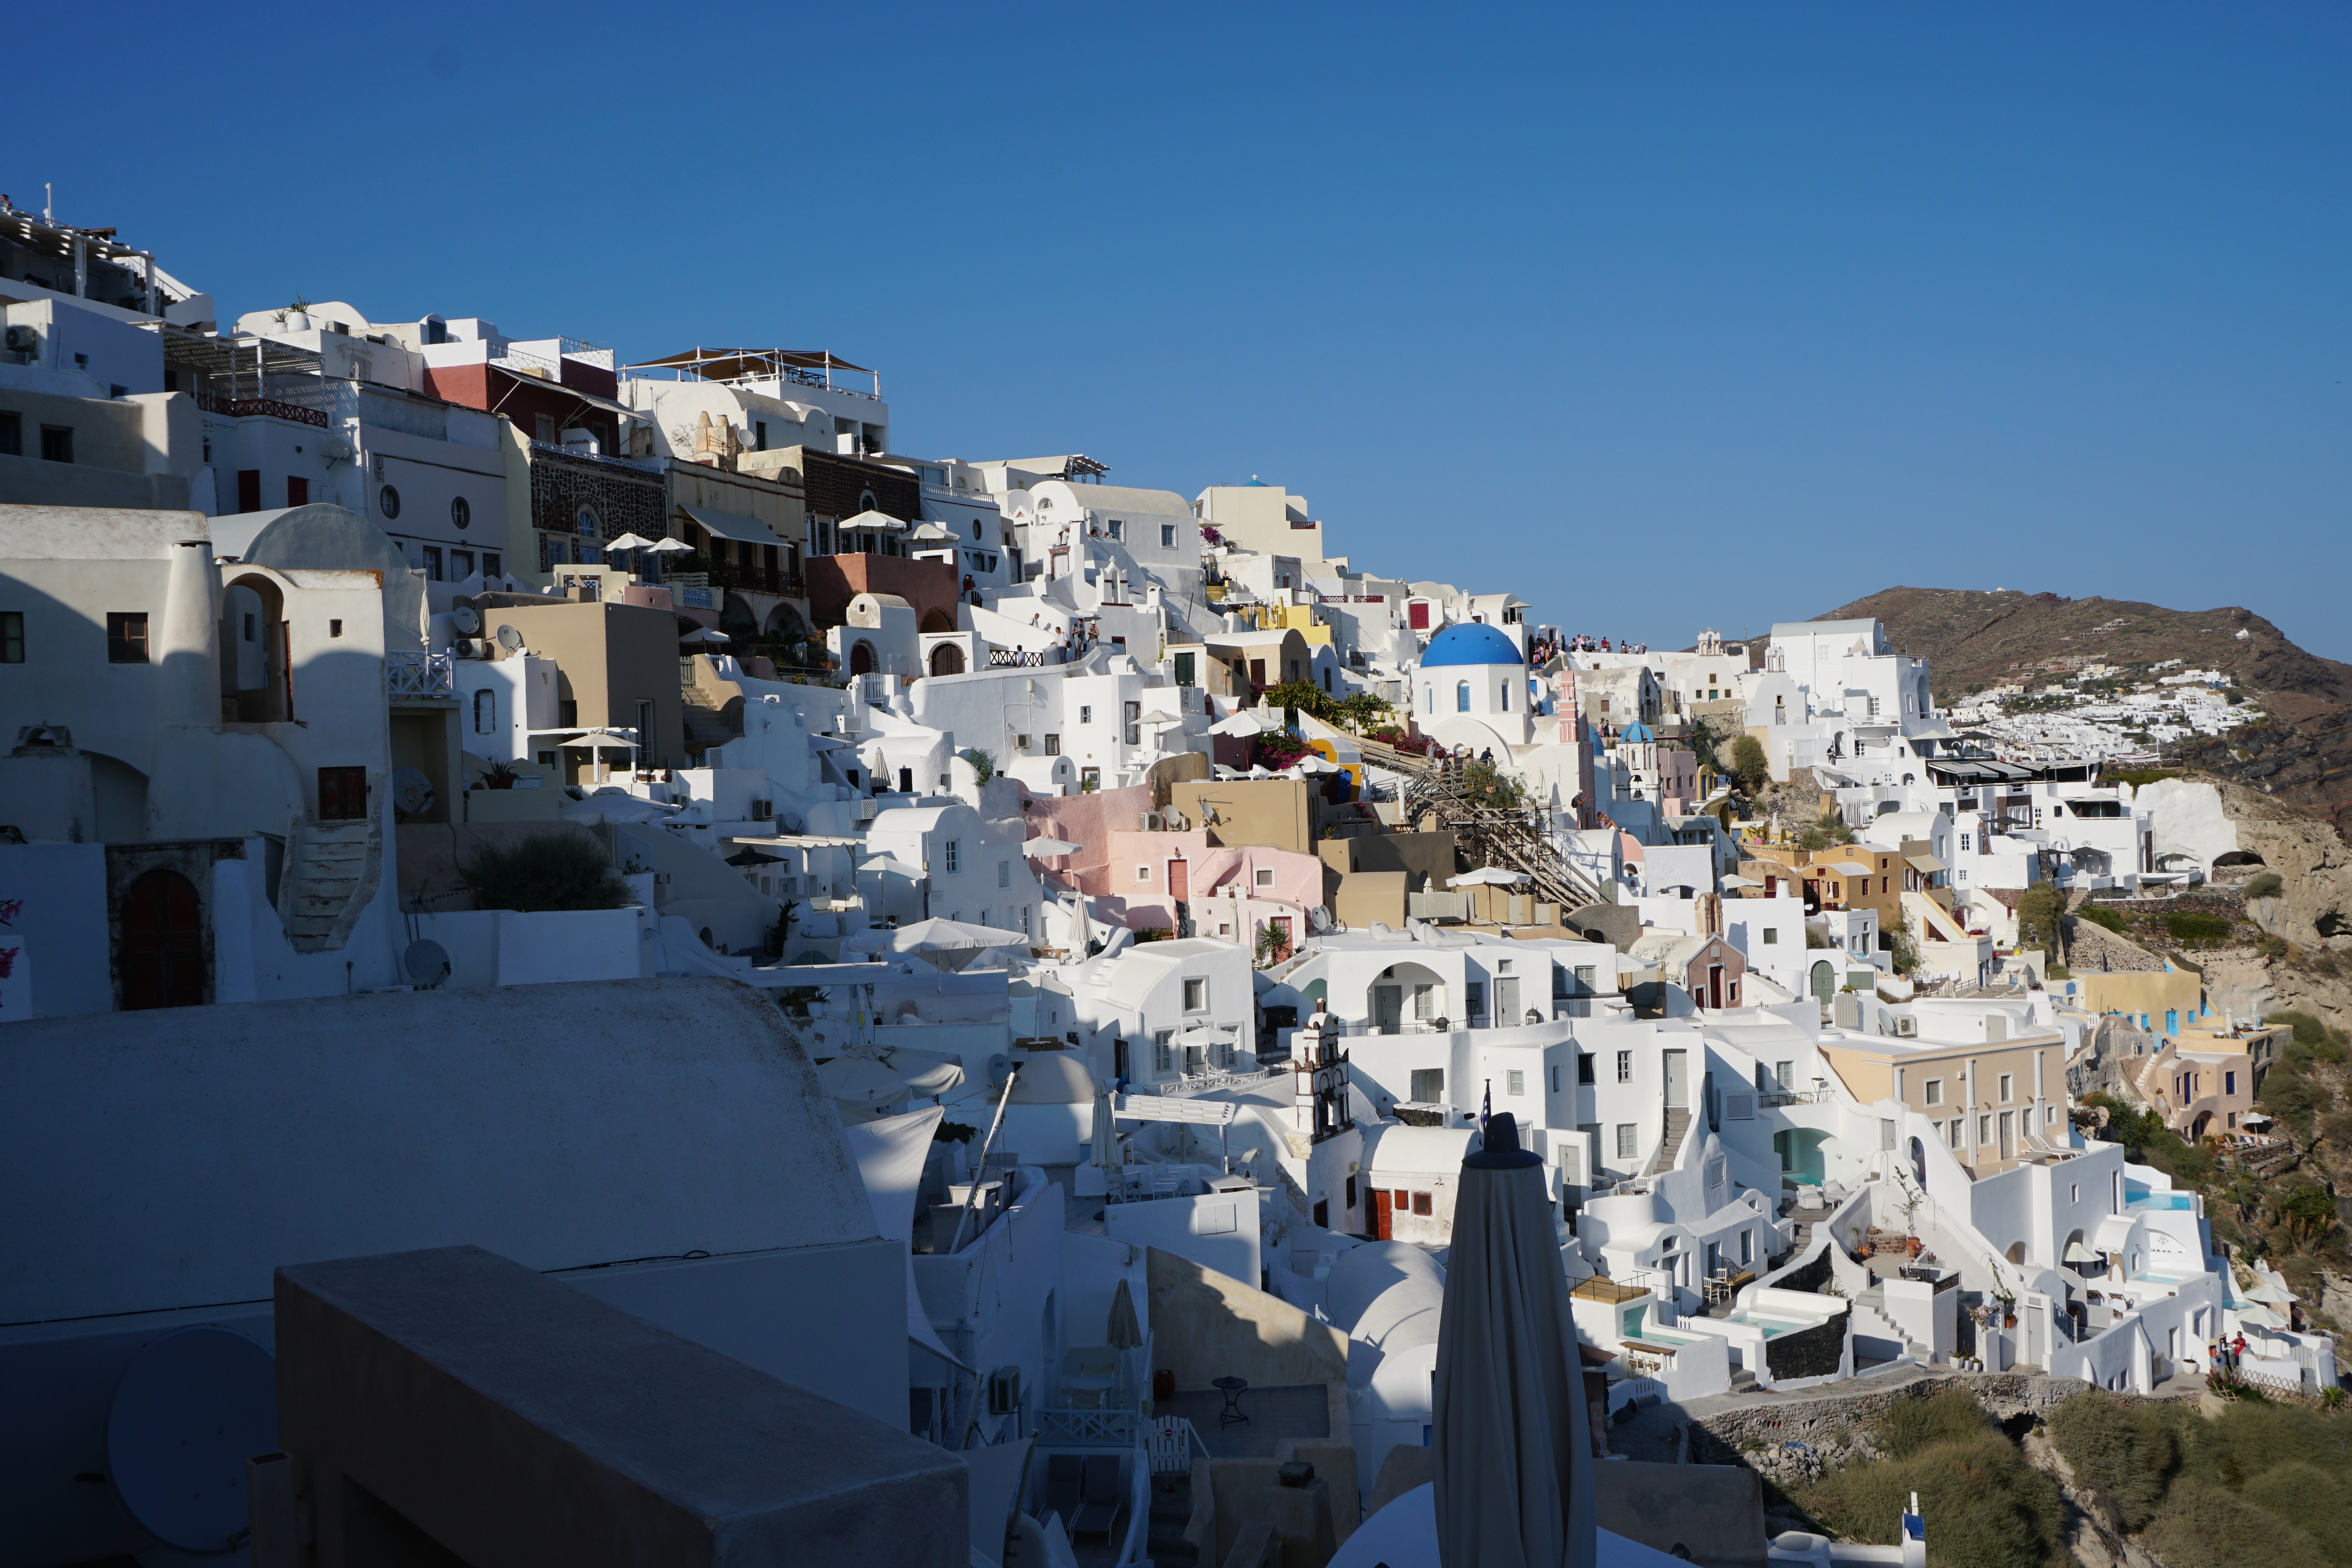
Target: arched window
[486, 712]
[1506, 697]
[1429, 699]
[861, 658]
[1461, 696]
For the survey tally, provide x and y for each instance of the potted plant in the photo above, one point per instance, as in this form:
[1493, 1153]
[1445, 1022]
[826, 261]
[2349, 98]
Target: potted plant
[499, 775]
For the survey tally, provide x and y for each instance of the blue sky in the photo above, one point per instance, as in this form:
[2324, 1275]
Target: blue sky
[1660, 317]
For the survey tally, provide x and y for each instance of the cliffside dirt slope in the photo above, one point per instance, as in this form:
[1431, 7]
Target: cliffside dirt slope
[2302, 753]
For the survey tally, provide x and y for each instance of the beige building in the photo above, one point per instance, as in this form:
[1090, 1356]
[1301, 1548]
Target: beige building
[1993, 1099]
[618, 666]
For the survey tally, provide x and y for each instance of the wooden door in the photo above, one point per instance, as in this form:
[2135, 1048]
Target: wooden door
[162, 958]
[1381, 1209]
[342, 794]
[1179, 881]
[1677, 1081]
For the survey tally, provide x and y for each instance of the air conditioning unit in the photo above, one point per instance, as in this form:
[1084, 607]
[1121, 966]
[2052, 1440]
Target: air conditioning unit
[1019, 743]
[762, 810]
[1005, 1391]
[23, 340]
[469, 648]
[865, 808]
[1906, 1028]
[1153, 822]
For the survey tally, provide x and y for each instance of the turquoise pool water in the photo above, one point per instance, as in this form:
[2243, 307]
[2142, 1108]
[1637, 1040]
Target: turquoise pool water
[1773, 1327]
[2159, 1200]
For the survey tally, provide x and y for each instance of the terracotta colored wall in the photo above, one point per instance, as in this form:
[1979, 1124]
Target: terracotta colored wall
[834, 580]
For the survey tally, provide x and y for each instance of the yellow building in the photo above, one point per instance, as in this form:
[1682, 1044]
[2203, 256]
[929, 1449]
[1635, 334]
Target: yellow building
[2161, 1002]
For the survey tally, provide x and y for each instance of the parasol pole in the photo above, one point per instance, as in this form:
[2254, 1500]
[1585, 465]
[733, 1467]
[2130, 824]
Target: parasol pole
[973, 1197]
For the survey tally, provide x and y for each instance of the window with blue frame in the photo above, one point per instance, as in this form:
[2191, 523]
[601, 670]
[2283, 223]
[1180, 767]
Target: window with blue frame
[1462, 696]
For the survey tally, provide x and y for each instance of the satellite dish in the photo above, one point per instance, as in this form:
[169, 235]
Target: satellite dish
[466, 620]
[411, 791]
[191, 1410]
[510, 637]
[428, 962]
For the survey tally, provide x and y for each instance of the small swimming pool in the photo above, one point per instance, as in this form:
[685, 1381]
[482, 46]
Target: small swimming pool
[1773, 1327]
[2159, 1200]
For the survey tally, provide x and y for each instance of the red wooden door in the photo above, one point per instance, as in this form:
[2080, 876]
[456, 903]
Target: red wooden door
[1380, 1210]
[162, 958]
[342, 794]
[1179, 881]
[1417, 616]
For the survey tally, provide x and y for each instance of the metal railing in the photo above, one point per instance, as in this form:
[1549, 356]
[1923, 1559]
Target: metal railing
[420, 676]
[269, 407]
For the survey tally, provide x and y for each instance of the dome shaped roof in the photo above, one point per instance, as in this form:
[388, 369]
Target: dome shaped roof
[1470, 642]
[1054, 1078]
[1637, 732]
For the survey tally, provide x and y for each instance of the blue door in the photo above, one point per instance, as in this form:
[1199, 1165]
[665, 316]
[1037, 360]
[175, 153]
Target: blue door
[2172, 1021]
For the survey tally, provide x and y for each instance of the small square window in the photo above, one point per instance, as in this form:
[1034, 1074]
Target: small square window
[2007, 1080]
[1196, 996]
[12, 636]
[1143, 873]
[1004, 874]
[1514, 1081]
[949, 851]
[1625, 1135]
[57, 443]
[1167, 535]
[1052, 745]
[1266, 876]
[1771, 936]
[1086, 714]
[1935, 1091]
[1625, 1066]
[1421, 1203]
[12, 434]
[1583, 1069]
[126, 638]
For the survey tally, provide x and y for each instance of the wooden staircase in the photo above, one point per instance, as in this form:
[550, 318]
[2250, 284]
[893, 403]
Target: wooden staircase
[1513, 838]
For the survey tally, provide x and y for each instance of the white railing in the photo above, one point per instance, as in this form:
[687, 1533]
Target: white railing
[420, 676]
[1087, 1428]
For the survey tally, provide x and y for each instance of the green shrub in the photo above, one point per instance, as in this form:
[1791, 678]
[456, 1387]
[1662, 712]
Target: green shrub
[2197, 929]
[982, 762]
[546, 871]
[1985, 1506]
[1748, 764]
[1911, 1425]
[2114, 920]
[2205, 1526]
[2264, 884]
[2122, 1452]
[2311, 1499]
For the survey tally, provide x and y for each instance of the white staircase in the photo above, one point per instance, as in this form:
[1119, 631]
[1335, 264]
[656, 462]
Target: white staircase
[331, 874]
[1678, 1125]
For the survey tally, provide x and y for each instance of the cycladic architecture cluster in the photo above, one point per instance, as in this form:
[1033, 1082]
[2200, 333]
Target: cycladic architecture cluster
[975, 981]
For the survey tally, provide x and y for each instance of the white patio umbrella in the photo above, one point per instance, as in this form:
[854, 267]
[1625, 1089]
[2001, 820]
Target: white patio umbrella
[1036, 847]
[629, 542]
[860, 1081]
[2271, 1295]
[947, 943]
[1513, 1439]
[705, 634]
[670, 547]
[926, 1072]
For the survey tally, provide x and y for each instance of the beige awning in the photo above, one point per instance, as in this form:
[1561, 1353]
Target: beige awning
[1928, 863]
[725, 364]
[738, 526]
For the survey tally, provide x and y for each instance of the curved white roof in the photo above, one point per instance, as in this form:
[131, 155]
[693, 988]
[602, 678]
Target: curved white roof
[1363, 1274]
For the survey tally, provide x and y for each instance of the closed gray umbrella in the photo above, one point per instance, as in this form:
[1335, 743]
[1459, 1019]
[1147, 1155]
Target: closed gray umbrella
[1126, 1333]
[1513, 1439]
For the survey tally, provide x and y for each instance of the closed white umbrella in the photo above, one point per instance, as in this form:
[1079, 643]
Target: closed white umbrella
[1513, 1439]
[1104, 1151]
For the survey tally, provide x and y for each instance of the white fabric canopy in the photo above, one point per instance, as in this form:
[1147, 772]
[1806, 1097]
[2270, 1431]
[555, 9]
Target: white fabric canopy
[948, 944]
[889, 1152]
[1050, 847]
[1513, 1441]
[1489, 876]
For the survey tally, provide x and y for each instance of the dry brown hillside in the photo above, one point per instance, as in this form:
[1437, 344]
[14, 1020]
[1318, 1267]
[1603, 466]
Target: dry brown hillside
[2301, 754]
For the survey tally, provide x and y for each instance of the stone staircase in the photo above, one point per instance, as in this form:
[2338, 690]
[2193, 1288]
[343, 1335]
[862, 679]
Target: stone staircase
[1678, 1125]
[1870, 1317]
[331, 874]
[1171, 1511]
[706, 725]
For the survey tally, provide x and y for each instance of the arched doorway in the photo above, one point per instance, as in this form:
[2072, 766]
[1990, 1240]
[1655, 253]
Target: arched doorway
[1824, 981]
[861, 657]
[255, 682]
[2016, 1253]
[1407, 996]
[938, 621]
[162, 957]
[947, 659]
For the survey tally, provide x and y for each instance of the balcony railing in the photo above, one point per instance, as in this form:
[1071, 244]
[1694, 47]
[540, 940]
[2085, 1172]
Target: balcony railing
[269, 407]
[1087, 1428]
[420, 676]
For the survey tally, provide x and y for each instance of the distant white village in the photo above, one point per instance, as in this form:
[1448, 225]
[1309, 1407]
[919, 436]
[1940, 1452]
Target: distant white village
[1020, 957]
